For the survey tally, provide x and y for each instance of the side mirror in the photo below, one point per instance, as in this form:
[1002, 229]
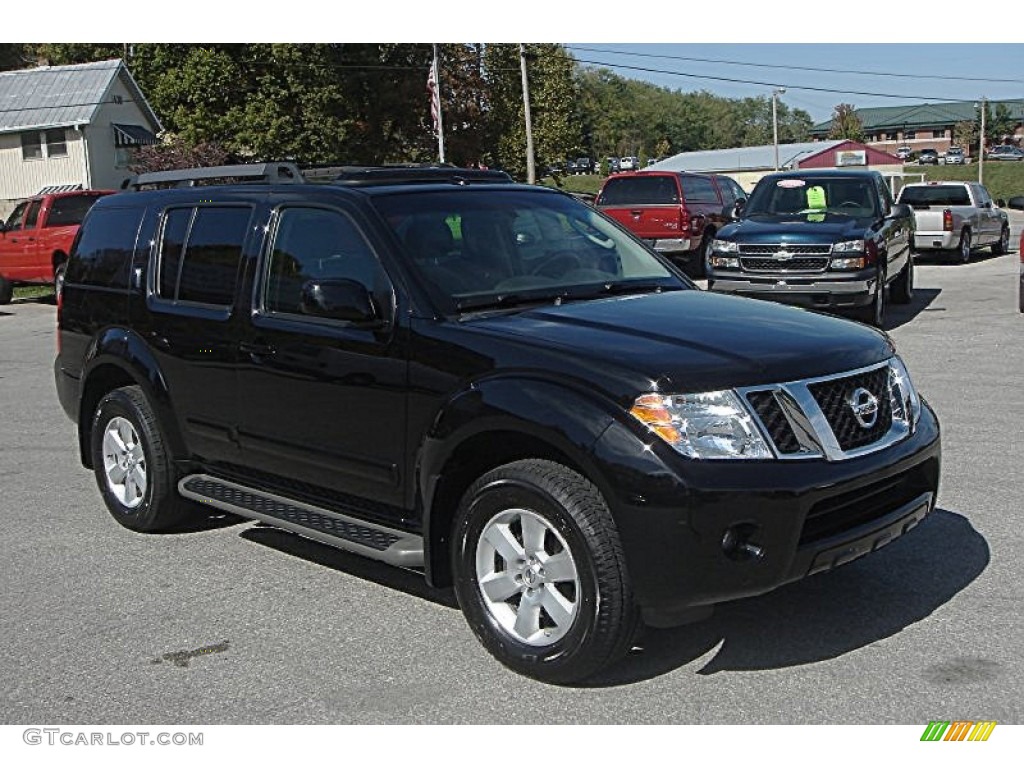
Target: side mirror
[339, 299]
[900, 211]
[1000, 203]
[735, 210]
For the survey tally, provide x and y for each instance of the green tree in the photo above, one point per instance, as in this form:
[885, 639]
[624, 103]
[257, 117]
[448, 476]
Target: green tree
[965, 134]
[846, 124]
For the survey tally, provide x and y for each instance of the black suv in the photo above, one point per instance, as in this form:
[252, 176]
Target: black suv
[487, 381]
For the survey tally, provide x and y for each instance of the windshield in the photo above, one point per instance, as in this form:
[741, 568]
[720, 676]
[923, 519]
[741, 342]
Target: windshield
[474, 248]
[774, 196]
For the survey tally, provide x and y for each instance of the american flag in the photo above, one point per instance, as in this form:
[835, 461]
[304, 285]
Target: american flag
[435, 95]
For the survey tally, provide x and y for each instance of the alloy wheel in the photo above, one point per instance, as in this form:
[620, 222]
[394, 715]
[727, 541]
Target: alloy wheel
[124, 462]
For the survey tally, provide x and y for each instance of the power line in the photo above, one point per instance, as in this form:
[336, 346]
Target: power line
[742, 81]
[792, 66]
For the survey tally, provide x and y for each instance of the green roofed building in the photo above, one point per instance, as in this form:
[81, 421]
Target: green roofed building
[928, 126]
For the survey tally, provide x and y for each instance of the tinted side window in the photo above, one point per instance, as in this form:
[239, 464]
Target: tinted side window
[728, 193]
[65, 211]
[104, 248]
[697, 189]
[200, 250]
[33, 214]
[14, 221]
[314, 244]
[640, 190]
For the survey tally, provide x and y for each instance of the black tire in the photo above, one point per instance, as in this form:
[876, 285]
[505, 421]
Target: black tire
[903, 286]
[963, 248]
[1002, 245]
[575, 520]
[58, 279]
[874, 313]
[158, 507]
[6, 291]
[703, 256]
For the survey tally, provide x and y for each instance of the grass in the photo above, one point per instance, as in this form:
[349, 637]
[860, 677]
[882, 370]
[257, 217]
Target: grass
[1002, 178]
[33, 291]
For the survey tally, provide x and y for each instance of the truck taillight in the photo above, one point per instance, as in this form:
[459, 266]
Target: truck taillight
[684, 220]
[947, 220]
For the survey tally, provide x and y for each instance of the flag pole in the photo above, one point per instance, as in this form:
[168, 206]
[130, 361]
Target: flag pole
[436, 105]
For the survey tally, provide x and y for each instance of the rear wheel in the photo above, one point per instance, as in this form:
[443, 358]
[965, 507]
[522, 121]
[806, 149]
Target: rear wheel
[1003, 244]
[540, 572]
[133, 465]
[903, 285]
[963, 248]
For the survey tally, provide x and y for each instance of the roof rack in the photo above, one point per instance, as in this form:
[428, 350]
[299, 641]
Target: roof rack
[359, 175]
[253, 173]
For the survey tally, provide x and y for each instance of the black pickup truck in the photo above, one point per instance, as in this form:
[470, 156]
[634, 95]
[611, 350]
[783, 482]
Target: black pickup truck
[489, 382]
[831, 240]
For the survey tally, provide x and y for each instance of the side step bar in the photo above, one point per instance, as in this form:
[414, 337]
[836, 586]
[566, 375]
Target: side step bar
[393, 547]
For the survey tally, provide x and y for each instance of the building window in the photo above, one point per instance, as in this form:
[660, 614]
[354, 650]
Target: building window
[56, 143]
[910, 135]
[38, 145]
[939, 134]
[31, 147]
[891, 136]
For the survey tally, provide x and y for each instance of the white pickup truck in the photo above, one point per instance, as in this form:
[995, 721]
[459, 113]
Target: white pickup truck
[956, 215]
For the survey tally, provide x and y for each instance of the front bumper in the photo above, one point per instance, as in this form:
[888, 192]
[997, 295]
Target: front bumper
[680, 520]
[942, 240]
[824, 291]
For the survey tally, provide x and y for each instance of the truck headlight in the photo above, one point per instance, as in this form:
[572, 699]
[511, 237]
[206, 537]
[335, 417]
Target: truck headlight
[725, 246]
[705, 425]
[906, 404]
[849, 246]
[725, 262]
[849, 262]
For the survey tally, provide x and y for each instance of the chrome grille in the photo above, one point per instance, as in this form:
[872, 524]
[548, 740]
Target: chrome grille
[834, 398]
[784, 265]
[822, 249]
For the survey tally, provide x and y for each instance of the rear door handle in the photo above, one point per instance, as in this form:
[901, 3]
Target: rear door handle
[257, 349]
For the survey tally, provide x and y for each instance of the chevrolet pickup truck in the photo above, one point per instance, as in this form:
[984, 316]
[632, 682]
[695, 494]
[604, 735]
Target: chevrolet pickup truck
[823, 239]
[956, 216]
[36, 238]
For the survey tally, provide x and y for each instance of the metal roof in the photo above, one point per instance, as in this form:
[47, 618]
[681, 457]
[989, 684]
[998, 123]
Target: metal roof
[742, 158]
[53, 97]
[923, 115]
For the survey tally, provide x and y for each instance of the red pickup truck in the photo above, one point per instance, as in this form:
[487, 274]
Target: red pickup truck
[36, 237]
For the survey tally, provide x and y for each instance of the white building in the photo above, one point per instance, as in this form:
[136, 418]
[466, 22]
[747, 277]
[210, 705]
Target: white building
[69, 127]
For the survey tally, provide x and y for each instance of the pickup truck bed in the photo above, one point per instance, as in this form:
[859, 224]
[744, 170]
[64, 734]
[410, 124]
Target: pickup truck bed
[957, 216]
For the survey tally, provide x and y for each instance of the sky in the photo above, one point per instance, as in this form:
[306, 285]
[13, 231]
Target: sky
[910, 73]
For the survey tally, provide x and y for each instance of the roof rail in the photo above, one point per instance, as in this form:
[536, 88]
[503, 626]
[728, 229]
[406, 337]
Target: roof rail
[359, 175]
[253, 173]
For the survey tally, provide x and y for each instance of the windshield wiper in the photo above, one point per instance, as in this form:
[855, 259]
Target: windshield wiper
[636, 286]
[507, 301]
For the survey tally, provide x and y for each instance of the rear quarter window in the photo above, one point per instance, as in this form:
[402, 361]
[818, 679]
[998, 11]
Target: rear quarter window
[697, 189]
[103, 251]
[640, 190]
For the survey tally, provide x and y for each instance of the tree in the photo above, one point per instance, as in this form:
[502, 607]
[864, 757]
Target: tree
[965, 134]
[173, 153]
[14, 56]
[846, 124]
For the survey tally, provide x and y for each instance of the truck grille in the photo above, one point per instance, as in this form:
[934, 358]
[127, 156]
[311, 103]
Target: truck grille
[818, 264]
[835, 417]
[796, 250]
[835, 397]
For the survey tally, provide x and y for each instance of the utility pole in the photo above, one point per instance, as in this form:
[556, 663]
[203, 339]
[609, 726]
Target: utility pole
[775, 123]
[981, 142]
[531, 172]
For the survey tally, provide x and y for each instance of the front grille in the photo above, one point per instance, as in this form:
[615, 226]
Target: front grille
[774, 420]
[834, 399]
[774, 248]
[848, 510]
[817, 264]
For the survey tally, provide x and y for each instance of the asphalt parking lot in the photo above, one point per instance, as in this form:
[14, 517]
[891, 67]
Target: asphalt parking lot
[241, 623]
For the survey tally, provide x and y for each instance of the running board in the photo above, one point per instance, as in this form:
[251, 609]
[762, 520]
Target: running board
[393, 547]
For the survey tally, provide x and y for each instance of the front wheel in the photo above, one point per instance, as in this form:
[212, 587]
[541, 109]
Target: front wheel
[540, 572]
[874, 313]
[903, 285]
[6, 291]
[133, 465]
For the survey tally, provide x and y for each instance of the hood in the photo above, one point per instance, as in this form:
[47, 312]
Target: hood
[806, 228]
[690, 341]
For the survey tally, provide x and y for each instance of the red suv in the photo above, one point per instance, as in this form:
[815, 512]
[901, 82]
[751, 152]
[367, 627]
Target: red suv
[677, 213]
[36, 238]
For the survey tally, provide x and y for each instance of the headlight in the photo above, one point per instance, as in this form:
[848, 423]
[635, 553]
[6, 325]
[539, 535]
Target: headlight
[856, 262]
[725, 262]
[906, 405]
[725, 246]
[849, 246]
[706, 425]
